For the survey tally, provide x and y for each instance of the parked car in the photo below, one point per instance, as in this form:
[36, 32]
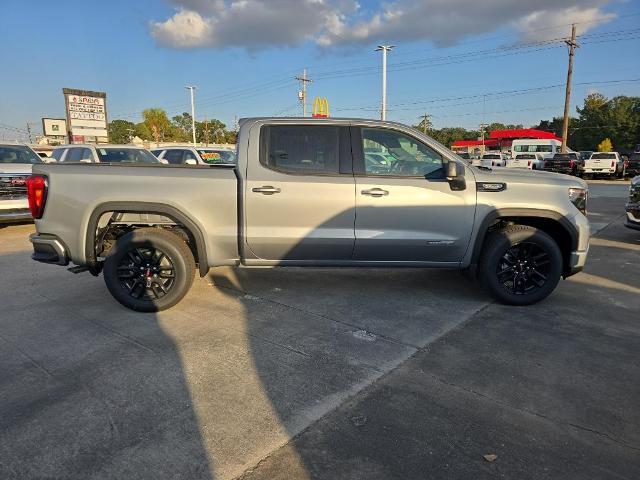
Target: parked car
[301, 194]
[78, 153]
[16, 162]
[465, 156]
[584, 154]
[532, 161]
[604, 163]
[568, 163]
[545, 147]
[632, 165]
[195, 155]
[494, 159]
[633, 205]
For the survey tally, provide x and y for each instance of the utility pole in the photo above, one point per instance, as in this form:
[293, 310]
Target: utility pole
[567, 96]
[29, 131]
[206, 132]
[426, 122]
[191, 88]
[384, 49]
[302, 94]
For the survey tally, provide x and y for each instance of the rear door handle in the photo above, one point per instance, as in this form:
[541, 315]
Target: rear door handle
[375, 192]
[266, 190]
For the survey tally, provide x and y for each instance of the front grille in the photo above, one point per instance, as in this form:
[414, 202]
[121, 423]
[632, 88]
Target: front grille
[13, 187]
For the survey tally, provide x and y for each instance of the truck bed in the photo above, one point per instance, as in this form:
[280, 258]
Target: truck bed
[208, 195]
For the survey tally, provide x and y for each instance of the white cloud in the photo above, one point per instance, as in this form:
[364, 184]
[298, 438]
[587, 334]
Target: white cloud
[255, 24]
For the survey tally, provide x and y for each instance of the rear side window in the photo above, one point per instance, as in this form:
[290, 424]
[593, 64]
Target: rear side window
[173, 156]
[157, 153]
[607, 156]
[74, 155]
[302, 149]
[57, 153]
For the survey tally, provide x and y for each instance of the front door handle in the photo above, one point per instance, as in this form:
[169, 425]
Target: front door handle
[375, 192]
[266, 190]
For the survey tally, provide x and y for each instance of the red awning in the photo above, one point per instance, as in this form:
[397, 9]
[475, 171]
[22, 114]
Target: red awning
[523, 133]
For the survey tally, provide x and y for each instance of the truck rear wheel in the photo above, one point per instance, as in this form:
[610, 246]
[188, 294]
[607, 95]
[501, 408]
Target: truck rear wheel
[149, 269]
[520, 265]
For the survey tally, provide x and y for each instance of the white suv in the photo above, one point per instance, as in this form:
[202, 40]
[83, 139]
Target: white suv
[196, 155]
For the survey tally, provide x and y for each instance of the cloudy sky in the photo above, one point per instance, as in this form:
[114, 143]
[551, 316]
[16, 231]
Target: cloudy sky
[461, 61]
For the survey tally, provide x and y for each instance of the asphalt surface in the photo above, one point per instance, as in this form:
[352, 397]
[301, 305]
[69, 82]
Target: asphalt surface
[324, 373]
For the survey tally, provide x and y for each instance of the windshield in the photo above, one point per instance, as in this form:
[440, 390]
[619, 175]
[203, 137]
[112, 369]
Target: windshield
[492, 156]
[526, 157]
[18, 154]
[217, 156]
[533, 148]
[126, 155]
[604, 155]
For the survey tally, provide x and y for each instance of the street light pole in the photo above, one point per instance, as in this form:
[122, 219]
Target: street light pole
[191, 88]
[384, 49]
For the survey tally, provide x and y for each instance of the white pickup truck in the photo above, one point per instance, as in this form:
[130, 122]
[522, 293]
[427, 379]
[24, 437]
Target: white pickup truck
[604, 163]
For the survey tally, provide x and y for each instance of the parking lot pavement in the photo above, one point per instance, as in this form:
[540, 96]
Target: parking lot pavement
[409, 371]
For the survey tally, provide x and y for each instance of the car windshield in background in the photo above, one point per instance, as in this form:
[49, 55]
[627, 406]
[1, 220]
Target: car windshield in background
[217, 156]
[126, 155]
[525, 156]
[490, 157]
[18, 154]
[607, 156]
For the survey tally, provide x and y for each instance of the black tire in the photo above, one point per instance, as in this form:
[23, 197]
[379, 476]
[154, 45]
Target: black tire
[520, 265]
[149, 269]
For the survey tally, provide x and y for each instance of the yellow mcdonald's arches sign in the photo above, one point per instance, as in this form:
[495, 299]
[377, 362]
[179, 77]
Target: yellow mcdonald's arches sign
[321, 107]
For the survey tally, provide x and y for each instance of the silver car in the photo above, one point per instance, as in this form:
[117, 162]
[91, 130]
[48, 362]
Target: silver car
[78, 153]
[190, 155]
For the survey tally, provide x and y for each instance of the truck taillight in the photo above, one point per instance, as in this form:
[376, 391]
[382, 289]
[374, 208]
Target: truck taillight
[529, 164]
[571, 163]
[613, 163]
[37, 194]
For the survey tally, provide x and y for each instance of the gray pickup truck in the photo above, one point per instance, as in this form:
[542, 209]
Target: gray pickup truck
[311, 192]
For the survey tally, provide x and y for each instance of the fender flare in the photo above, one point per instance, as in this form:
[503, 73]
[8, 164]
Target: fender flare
[494, 215]
[145, 207]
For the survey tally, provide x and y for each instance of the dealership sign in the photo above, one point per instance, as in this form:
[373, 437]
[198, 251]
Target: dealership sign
[86, 115]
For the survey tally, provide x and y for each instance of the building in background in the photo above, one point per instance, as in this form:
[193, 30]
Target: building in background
[86, 115]
[500, 140]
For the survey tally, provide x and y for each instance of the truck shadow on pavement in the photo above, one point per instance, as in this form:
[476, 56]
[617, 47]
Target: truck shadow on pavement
[88, 388]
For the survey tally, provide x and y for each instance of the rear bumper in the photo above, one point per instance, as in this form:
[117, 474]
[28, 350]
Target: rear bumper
[14, 215]
[601, 171]
[48, 249]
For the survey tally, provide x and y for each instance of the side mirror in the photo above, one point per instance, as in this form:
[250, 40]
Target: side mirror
[456, 181]
[452, 170]
[190, 161]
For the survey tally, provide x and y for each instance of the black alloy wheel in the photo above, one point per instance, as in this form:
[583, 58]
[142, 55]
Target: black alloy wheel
[146, 273]
[149, 269]
[523, 268]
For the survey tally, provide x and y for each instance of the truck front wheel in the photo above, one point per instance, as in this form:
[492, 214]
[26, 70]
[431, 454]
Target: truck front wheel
[520, 265]
[149, 269]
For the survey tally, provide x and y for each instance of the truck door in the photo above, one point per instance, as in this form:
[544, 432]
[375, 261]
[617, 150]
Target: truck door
[300, 193]
[406, 210]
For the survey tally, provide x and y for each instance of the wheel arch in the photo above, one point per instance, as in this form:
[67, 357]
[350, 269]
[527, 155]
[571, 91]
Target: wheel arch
[199, 248]
[556, 225]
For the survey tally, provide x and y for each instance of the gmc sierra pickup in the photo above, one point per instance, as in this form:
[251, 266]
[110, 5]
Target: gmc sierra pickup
[302, 194]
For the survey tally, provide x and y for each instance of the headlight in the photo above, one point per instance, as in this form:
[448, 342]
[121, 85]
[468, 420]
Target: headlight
[578, 197]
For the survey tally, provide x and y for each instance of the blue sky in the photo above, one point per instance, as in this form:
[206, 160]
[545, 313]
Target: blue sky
[243, 60]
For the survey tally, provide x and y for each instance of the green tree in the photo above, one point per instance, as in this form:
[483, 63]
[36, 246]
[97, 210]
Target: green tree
[157, 122]
[142, 131]
[121, 131]
[605, 145]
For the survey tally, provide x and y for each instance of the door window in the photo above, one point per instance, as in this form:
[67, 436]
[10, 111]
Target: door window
[301, 149]
[173, 156]
[74, 155]
[401, 154]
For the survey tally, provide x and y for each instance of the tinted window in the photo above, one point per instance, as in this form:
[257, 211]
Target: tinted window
[609, 156]
[173, 156]
[405, 156]
[492, 156]
[188, 155]
[533, 148]
[157, 153]
[74, 154]
[126, 155]
[300, 149]
[57, 153]
[18, 154]
[525, 156]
